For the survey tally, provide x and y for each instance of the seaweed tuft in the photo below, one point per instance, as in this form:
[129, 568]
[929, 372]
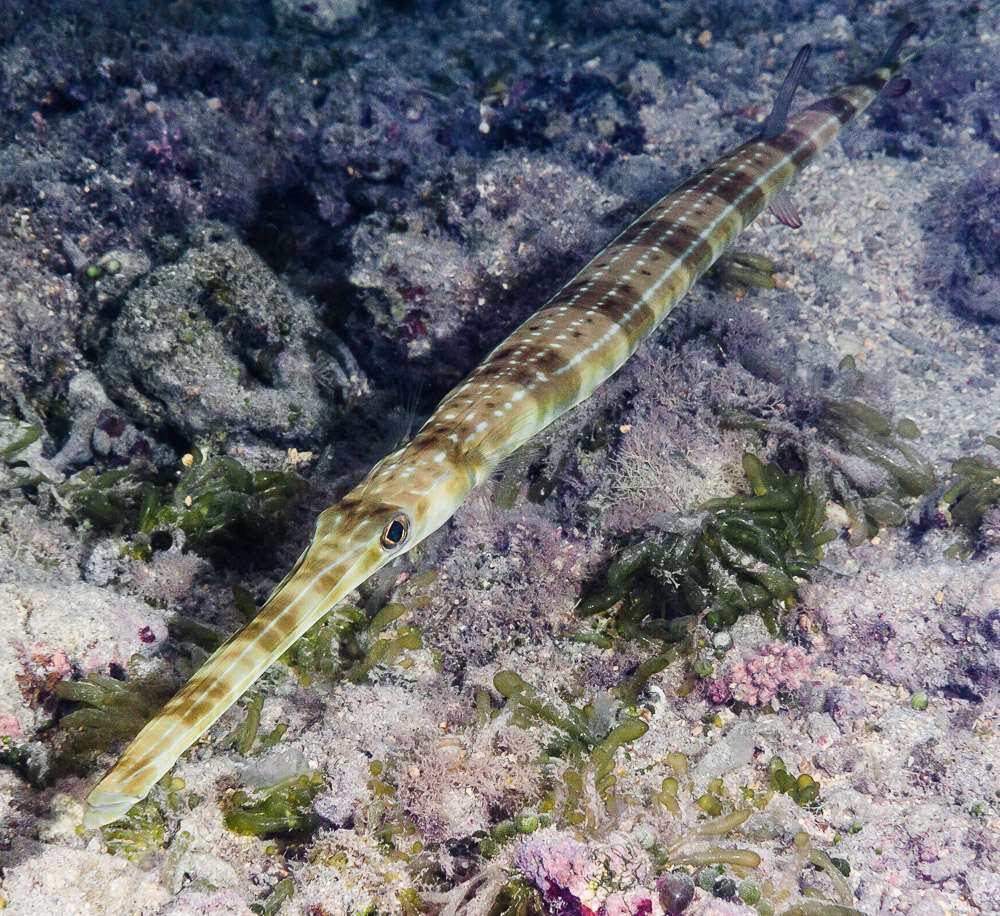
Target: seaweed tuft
[108, 711]
[803, 789]
[221, 506]
[587, 738]
[15, 472]
[737, 271]
[518, 898]
[744, 554]
[282, 891]
[864, 460]
[218, 505]
[138, 834]
[351, 643]
[973, 499]
[283, 810]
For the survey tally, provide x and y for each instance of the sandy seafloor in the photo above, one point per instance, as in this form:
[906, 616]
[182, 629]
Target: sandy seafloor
[398, 185]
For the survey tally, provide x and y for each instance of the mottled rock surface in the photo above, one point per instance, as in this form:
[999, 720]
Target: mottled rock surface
[215, 344]
[269, 231]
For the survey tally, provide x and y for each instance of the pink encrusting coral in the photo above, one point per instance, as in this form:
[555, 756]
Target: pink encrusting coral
[576, 880]
[41, 670]
[671, 454]
[528, 577]
[461, 779]
[9, 726]
[777, 667]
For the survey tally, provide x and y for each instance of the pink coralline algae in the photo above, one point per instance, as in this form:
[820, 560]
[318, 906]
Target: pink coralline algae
[42, 670]
[9, 726]
[778, 667]
[575, 880]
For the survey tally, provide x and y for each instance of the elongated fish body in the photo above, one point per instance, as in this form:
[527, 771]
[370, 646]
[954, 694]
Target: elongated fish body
[549, 364]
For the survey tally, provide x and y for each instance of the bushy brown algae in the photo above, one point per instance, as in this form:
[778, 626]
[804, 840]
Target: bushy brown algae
[122, 500]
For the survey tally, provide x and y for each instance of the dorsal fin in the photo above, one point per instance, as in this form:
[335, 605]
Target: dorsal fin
[777, 120]
[891, 55]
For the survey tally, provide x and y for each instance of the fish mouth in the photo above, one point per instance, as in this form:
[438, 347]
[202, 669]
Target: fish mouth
[105, 807]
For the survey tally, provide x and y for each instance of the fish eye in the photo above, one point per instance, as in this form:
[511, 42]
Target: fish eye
[395, 531]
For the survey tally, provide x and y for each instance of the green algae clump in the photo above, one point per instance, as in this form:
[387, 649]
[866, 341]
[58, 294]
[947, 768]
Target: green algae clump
[243, 736]
[584, 737]
[738, 270]
[975, 495]
[745, 555]
[219, 505]
[283, 890]
[854, 454]
[282, 809]
[346, 643]
[803, 789]
[121, 501]
[138, 834]
[15, 437]
[875, 473]
[518, 898]
[110, 711]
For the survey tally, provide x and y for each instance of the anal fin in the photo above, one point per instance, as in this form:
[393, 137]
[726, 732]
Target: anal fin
[897, 86]
[783, 208]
